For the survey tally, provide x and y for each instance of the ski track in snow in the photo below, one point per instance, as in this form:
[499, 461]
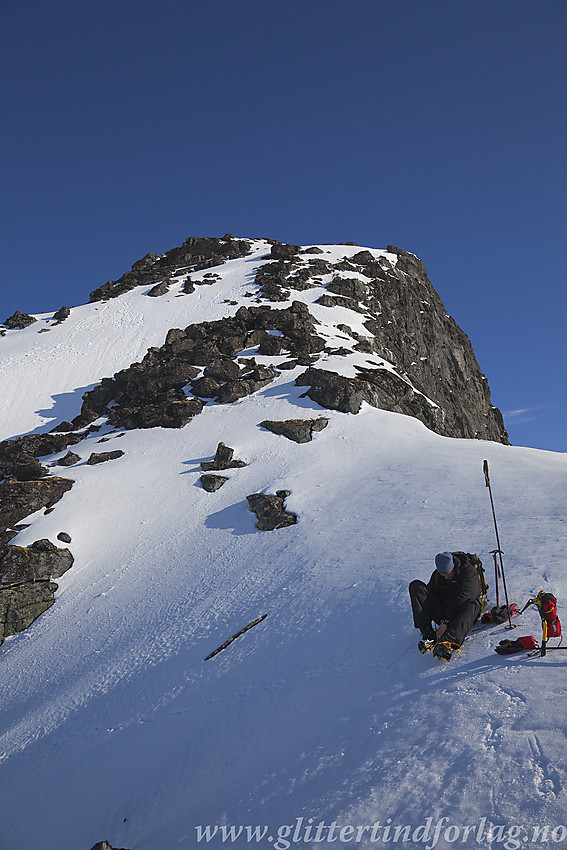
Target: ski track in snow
[325, 710]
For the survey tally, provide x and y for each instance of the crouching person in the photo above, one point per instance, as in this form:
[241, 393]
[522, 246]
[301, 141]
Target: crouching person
[450, 600]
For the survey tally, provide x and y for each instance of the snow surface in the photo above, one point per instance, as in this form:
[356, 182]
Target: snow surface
[113, 725]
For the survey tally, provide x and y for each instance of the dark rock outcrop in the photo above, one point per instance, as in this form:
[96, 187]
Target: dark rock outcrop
[20, 606]
[103, 457]
[276, 280]
[409, 327]
[19, 499]
[61, 314]
[270, 510]
[298, 430]
[26, 586]
[212, 483]
[170, 410]
[18, 458]
[151, 393]
[195, 254]
[39, 562]
[378, 387]
[161, 288]
[69, 459]
[104, 845]
[224, 459]
[281, 251]
[19, 320]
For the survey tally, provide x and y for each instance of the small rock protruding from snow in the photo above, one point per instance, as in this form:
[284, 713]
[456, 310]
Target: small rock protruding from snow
[19, 320]
[69, 460]
[270, 510]
[224, 459]
[212, 483]
[103, 457]
[298, 430]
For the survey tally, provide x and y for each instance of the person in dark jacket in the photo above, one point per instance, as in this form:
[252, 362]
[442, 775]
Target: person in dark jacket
[451, 600]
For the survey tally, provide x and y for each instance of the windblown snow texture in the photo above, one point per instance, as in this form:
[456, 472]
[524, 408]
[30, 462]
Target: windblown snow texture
[113, 725]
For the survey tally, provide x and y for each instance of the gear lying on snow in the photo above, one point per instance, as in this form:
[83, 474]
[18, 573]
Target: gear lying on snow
[546, 603]
[235, 636]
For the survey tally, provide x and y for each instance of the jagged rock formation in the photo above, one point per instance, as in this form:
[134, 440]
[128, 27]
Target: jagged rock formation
[19, 457]
[150, 394]
[430, 370]
[379, 387]
[409, 328]
[26, 573]
[69, 460]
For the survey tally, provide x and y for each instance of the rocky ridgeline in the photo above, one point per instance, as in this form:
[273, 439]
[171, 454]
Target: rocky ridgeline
[194, 255]
[436, 377]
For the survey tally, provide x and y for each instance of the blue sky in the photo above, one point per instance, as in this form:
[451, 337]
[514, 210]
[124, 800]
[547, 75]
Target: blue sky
[439, 127]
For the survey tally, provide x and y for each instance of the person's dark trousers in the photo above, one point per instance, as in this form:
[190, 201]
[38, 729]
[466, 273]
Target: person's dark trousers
[462, 621]
[427, 607]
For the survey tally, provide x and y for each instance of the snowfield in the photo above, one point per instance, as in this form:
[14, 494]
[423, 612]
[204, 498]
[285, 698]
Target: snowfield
[322, 725]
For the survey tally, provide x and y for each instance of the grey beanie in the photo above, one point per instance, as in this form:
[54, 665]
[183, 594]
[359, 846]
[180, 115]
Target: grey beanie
[444, 563]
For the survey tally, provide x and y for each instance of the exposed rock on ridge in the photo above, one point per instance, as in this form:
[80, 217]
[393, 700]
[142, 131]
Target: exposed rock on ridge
[150, 394]
[195, 254]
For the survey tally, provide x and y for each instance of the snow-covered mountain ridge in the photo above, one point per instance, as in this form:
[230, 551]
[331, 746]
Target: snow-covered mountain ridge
[322, 710]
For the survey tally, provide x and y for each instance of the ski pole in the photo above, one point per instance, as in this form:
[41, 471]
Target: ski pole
[498, 549]
[496, 577]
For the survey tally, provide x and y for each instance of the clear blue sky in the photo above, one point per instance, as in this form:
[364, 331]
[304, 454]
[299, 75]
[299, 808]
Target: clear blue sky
[438, 126]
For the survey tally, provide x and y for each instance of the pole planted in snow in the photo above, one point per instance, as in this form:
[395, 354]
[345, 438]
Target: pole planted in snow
[498, 549]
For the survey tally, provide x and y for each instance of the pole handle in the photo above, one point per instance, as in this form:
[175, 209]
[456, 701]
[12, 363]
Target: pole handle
[486, 475]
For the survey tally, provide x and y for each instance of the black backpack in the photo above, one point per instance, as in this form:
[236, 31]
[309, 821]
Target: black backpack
[462, 558]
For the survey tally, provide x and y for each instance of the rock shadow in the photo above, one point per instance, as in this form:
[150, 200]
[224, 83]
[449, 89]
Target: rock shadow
[237, 519]
[65, 407]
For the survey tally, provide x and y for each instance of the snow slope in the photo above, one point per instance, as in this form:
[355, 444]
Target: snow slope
[113, 725]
